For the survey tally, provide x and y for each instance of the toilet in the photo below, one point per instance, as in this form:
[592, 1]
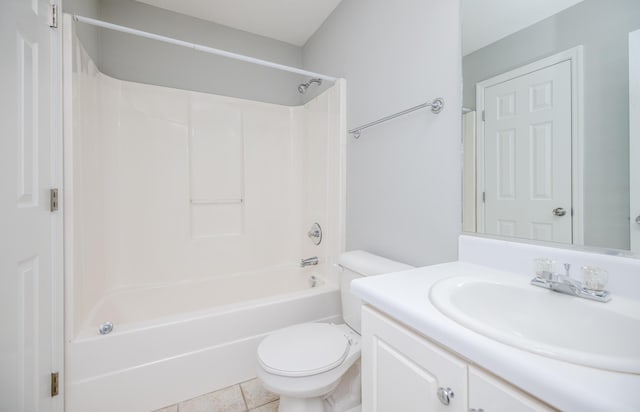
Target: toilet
[315, 367]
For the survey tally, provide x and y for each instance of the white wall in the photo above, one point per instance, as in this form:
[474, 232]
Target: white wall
[403, 177]
[487, 21]
[148, 61]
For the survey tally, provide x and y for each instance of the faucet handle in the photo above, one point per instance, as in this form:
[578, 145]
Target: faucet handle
[567, 269]
[315, 234]
[542, 266]
[595, 278]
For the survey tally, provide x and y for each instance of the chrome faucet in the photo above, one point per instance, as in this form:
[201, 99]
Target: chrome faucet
[563, 283]
[309, 261]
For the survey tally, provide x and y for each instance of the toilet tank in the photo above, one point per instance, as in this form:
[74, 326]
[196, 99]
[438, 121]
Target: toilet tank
[357, 264]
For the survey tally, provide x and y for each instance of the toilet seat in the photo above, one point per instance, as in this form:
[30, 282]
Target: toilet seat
[319, 347]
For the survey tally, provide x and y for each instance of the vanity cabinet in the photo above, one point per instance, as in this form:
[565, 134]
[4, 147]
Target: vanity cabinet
[403, 371]
[488, 393]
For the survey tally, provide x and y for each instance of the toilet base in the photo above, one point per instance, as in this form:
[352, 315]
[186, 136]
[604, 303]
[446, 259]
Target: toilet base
[343, 398]
[348, 394]
[288, 404]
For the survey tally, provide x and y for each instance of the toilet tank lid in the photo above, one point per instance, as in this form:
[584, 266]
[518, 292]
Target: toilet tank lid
[368, 264]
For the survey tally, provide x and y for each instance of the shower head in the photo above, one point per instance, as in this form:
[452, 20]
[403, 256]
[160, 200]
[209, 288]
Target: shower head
[302, 87]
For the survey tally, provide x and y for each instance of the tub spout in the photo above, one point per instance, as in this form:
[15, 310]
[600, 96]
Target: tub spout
[309, 261]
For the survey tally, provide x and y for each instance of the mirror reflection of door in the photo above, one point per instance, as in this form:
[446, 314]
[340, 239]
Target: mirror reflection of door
[525, 152]
[634, 138]
[469, 170]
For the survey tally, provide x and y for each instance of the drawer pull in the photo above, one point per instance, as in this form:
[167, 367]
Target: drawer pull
[445, 395]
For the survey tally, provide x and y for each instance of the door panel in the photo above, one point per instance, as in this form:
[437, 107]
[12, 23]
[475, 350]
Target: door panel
[26, 223]
[402, 371]
[469, 172]
[487, 393]
[527, 156]
[634, 137]
[418, 386]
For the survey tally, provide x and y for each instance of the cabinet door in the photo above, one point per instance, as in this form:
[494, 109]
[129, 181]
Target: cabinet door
[402, 371]
[490, 394]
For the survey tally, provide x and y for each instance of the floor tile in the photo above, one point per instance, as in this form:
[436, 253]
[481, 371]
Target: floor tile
[225, 400]
[255, 394]
[270, 407]
[172, 408]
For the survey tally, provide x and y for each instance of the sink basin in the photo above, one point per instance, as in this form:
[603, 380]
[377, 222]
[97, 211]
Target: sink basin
[508, 309]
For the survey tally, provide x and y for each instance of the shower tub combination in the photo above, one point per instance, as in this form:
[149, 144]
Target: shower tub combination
[172, 343]
[186, 216]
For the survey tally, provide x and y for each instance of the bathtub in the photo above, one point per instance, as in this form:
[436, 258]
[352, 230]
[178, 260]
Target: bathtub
[174, 342]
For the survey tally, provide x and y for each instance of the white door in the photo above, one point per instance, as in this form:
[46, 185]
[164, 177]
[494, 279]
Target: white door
[469, 172]
[27, 227]
[527, 156]
[634, 137]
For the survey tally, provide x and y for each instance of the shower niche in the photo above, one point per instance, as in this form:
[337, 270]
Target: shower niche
[216, 144]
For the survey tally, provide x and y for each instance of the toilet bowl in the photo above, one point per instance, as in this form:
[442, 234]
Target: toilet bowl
[315, 367]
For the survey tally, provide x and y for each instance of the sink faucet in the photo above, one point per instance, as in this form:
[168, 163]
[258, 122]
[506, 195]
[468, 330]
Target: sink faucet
[565, 284]
[309, 261]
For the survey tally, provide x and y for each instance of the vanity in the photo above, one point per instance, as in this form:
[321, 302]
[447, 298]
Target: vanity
[475, 335]
[542, 163]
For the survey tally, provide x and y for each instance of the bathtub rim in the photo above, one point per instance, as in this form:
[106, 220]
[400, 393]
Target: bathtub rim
[89, 332]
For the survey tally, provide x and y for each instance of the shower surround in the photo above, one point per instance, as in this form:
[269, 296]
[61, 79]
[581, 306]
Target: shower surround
[186, 217]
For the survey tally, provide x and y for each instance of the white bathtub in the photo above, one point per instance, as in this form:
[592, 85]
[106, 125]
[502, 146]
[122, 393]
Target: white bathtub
[171, 343]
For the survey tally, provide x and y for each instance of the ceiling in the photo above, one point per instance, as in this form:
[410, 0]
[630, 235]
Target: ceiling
[291, 21]
[487, 21]
[295, 21]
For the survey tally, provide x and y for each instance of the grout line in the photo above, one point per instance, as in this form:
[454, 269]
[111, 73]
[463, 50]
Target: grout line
[246, 406]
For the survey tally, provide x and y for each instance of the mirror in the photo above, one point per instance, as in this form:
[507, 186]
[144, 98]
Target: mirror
[546, 121]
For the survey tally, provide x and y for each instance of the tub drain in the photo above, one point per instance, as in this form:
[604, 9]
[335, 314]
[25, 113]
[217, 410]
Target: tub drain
[105, 328]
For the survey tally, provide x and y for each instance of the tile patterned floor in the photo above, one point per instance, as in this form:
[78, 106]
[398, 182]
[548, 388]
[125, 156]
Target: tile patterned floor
[246, 396]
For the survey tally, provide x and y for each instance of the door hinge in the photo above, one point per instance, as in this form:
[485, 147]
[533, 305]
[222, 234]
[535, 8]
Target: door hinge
[54, 384]
[484, 197]
[53, 17]
[53, 200]
[483, 115]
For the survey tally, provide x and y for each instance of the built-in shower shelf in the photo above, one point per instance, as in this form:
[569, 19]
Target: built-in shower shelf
[216, 201]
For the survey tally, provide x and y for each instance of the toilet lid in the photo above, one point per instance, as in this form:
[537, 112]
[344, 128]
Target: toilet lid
[303, 350]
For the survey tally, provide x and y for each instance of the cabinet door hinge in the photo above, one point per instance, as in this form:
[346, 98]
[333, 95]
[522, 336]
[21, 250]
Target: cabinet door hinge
[53, 206]
[53, 17]
[54, 384]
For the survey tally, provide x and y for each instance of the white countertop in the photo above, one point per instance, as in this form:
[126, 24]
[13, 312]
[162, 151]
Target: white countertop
[566, 386]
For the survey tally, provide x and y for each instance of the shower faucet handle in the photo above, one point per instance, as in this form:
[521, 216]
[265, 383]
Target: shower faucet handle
[315, 234]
